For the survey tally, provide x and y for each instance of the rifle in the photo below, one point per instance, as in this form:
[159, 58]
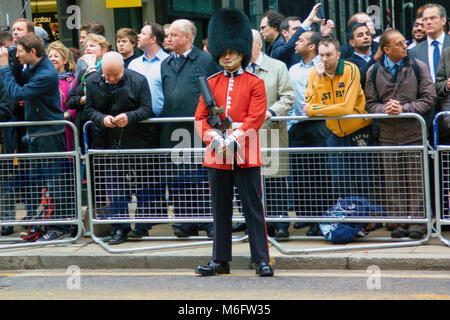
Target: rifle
[214, 111]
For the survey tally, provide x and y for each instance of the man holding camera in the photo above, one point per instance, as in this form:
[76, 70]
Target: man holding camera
[37, 84]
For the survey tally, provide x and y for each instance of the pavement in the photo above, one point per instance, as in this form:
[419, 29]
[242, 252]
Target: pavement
[163, 251]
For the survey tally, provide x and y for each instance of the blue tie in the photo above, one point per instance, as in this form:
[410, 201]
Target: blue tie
[436, 55]
[395, 71]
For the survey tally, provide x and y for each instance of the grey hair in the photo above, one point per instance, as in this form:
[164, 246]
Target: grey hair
[186, 26]
[113, 56]
[256, 35]
[441, 9]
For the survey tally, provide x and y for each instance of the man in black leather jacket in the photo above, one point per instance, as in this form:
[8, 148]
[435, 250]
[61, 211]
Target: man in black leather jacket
[117, 99]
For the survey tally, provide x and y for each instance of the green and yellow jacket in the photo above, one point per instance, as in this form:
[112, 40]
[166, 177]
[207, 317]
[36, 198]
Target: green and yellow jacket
[336, 97]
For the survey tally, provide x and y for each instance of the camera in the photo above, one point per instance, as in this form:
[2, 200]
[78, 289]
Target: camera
[12, 50]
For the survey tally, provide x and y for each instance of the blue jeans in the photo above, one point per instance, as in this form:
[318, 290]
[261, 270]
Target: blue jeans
[54, 175]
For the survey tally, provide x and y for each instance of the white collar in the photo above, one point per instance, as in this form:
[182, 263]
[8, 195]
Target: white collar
[439, 39]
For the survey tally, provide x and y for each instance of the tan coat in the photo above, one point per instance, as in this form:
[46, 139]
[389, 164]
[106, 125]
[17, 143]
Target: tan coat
[280, 99]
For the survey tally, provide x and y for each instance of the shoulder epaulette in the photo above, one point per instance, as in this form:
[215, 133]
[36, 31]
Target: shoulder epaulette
[215, 75]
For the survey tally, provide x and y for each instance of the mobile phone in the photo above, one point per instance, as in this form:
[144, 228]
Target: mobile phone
[321, 11]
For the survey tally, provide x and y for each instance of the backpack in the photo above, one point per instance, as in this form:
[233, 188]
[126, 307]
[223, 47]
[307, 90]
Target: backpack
[44, 211]
[428, 116]
[353, 206]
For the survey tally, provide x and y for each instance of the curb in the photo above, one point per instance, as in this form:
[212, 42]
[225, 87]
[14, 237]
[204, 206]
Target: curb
[306, 262]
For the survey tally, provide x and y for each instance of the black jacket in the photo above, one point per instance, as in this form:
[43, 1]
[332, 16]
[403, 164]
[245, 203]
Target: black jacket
[182, 92]
[347, 50]
[285, 51]
[131, 95]
[362, 65]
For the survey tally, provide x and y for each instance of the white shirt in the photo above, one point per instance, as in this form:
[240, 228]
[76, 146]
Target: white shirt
[299, 74]
[439, 39]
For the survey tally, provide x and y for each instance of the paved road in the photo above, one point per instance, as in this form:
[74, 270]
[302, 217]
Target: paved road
[183, 284]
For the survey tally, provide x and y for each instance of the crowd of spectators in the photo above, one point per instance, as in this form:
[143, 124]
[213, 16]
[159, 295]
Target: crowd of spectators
[306, 73]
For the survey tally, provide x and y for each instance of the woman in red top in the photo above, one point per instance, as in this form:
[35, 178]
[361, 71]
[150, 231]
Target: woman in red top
[233, 158]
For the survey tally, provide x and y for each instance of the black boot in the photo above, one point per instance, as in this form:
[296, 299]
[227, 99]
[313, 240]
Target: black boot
[213, 268]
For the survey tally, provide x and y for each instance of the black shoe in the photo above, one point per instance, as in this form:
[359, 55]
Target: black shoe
[399, 233]
[8, 230]
[213, 268]
[238, 227]
[118, 237]
[300, 225]
[314, 230]
[180, 233]
[264, 269]
[137, 234]
[416, 235]
[270, 230]
[282, 233]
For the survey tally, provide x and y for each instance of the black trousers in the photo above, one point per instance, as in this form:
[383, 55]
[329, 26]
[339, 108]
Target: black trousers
[248, 183]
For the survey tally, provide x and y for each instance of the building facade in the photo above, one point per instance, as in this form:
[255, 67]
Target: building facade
[62, 18]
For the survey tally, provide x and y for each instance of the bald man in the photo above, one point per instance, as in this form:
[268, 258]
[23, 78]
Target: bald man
[117, 99]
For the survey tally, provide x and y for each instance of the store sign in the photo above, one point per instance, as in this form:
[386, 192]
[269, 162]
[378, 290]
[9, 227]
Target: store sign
[49, 22]
[123, 3]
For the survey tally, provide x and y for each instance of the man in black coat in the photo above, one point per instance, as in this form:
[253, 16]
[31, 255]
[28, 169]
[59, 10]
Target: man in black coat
[117, 99]
[361, 39]
[179, 74]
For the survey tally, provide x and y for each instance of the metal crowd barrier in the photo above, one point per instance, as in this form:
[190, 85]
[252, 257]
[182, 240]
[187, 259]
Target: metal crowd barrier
[394, 178]
[39, 189]
[148, 186]
[170, 186]
[442, 178]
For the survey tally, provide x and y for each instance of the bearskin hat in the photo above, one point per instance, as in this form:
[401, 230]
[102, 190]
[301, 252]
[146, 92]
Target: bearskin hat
[229, 29]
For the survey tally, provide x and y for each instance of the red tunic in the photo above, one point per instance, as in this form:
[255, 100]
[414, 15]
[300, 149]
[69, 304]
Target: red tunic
[244, 100]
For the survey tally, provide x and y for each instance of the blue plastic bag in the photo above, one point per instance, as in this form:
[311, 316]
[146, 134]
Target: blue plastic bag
[342, 233]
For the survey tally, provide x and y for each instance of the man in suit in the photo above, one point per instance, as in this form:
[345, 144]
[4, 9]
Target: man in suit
[179, 75]
[429, 51]
[361, 39]
[360, 17]
[443, 92]
[270, 28]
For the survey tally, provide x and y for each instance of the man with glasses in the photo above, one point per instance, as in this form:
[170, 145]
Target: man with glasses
[434, 20]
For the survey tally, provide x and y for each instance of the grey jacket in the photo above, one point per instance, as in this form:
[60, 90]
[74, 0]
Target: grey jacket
[442, 75]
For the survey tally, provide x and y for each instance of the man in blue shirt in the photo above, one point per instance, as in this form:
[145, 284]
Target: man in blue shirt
[306, 133]
[150, 41]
